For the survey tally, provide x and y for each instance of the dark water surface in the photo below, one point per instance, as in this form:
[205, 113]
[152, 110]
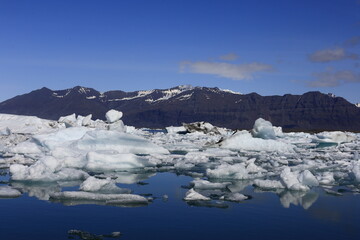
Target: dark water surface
[262, 217]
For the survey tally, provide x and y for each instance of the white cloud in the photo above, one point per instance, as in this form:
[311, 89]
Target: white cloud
[329, 55]
[225, 70]
[333, 79]
[229, 57]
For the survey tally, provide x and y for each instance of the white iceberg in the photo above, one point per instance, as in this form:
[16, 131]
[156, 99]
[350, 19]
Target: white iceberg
[192, 195]
[334, 137]
[113, 116]
[263, 129]
[227, 171]
[104, 161]
[243, 140]
[290, 180]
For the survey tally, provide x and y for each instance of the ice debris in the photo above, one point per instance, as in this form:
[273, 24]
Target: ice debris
[113, 116]
[192, 195]
[263, 129]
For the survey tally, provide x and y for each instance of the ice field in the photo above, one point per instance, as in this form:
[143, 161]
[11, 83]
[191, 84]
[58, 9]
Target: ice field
[79, 161]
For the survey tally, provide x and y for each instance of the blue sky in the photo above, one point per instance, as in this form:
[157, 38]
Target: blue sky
[269, 47]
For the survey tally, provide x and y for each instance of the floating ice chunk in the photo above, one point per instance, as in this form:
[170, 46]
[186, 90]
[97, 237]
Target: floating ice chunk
[86, 120]
[290, 180]
[192, 195]
[263, 129]
[9, 192]
[268, 184]
[307, 178]
[243, 140]
[206, 185]
[70, 120]
[235, 197]
[251, 167]
[184, 165]
[334, 137]
[52, 140]
[92, 184]
[111, 198]
[104, 161]
[117, 141]
[113, 116]
[326, 178]
[227, 171]
[203, 127]
[47, 169]
[173, 130]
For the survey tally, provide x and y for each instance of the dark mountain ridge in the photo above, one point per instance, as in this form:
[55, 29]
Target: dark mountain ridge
[158, 108]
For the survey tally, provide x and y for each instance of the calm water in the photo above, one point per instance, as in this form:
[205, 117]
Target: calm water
[263, 216]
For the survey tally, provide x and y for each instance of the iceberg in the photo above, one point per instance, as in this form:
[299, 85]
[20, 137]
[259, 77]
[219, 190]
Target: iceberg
[290, 180]
[263, 129]
[227, 171]
[113, 116]
[244, 141]
[192, 195]
[92, 184]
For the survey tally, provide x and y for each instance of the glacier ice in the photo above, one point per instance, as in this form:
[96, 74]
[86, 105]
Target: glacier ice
[244, 141]
[224, 164]
[192, 195]
[113, 116]
[263, 129]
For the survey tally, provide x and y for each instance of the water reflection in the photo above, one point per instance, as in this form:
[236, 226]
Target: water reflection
[78, 234]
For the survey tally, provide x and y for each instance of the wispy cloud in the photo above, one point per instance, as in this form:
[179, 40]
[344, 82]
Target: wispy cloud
[229, 57]
[329, 55]
[225, 70]
[352, 42]
[330, 78]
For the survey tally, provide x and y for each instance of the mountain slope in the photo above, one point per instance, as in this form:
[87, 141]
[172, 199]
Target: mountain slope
[312, 111]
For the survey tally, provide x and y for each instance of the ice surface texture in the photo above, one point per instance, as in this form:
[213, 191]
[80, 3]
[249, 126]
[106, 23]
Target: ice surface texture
[222, 162]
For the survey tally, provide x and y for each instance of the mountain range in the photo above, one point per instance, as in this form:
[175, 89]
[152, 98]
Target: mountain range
[158, 108]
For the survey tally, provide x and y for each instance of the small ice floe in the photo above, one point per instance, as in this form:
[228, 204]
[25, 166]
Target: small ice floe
[227, 171]
[234, 197]
[290, 180]
[268, 184]
[335, 137]
[332, 192]
[9, 192]
[206, 185]
[92, 184]
[175, 130]
[203, 127]
[243, 140]
[108, 198]
[192, 195]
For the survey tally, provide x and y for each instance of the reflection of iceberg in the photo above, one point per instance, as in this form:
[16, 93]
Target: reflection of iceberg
[208, 204]
[304, 199]
[90, 236]
[39, 190]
